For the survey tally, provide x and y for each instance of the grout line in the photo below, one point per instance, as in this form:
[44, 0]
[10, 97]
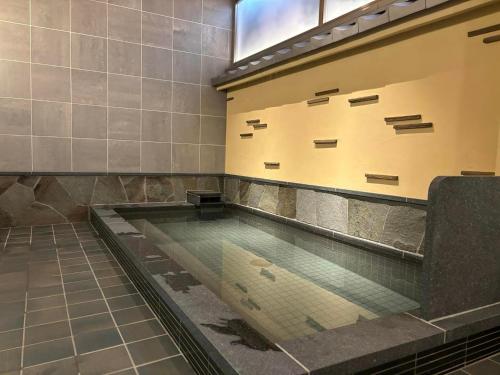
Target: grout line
[24, 330]
[46, 363]
[71, 89]
[65, 300]
[109, 310]
[463, 312]
[293, 358]
[31, 93]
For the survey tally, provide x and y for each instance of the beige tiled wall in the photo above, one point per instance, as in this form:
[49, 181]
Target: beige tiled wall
[113, 86]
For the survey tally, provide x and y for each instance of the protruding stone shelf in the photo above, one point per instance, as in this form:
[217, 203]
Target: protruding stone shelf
[477, 173]
[364, 99]
[423, 125]
[231, 98]
[403, 118]
[252, 122]
[325, 142]
[318, 101]
[491, 39]
[246, 135]
[271, 164]
[484, 30]
[260, 126]
[383, 177]
[327, 92]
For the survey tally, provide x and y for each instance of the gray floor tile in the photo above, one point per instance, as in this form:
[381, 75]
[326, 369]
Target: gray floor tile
[87, 308]
[152, 349]
[74, 268]
[80, 286]
[92, 323]
[141, 330]
[48, 351]
[496, 358]
[47, 332]
[124, 302]
[10, 360]
[485, 367]
[172, 366]
[80, 276]
[11, 339]
[108, 273]
[63, 367]
[104, 361]
[46, 316]
[45, 291]
[118, 291]
[45, 303]
[12, 316]
[96, 340]
[104, 265]
[133, 314]
[85, 296]
[113, 281]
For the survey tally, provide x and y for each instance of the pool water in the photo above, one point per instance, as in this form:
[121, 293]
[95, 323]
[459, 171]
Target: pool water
[285, 282]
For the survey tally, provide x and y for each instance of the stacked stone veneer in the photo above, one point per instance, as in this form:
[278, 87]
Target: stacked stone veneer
[400, 225]
[35, 200]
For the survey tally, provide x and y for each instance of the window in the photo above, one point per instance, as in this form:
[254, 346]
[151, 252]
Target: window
[337, 8]
[263, 23]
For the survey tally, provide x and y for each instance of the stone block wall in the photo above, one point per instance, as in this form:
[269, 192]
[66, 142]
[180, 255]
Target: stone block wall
[397, 224]
[38, 200]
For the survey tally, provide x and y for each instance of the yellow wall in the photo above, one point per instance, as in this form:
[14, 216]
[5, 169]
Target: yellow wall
[437, 71]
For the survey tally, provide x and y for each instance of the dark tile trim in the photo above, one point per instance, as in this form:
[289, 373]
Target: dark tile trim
[325, 189]
[98, 174]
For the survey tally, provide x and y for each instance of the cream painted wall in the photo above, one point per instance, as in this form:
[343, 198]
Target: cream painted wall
[437, 71]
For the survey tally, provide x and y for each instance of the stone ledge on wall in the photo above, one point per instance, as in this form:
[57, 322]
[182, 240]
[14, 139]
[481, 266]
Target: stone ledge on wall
[397, 224]
[38, 200]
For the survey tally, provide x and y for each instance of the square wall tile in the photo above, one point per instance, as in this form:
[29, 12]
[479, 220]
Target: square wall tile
[156, 157]
[50, 83]
[124, 91]
[15, 11]
[14, 41]
[218, 13]
[156, 63]
[213, 130]
[185, 158]
[89, 87]
[15, 78]
[50, 47]
[89, 121]
[123, 156]
[88, 52]
[89, 155]
[164, 7]
[212, 159]
[15, 153]
[53, 14]
[156, 95]
[187, 36]
[124, 24]
[213, 102]
[186, 98]
[15, 116]
[187, 67]
[189, 10]
[89, 17]
[156, 30]
[124, 58]
[156, 126]
[212, 67]
[216, 42]
[51, 154]
[135, 4]
[51, 119]
[185, 128]
[124, 124]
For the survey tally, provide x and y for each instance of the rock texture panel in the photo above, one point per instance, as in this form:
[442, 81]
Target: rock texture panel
[332, 212]
[287, 202]
[232, 190]
[306, 206]
[269, 199]
[244, 192]
[404, 228]
[254, 194]
[367, 219]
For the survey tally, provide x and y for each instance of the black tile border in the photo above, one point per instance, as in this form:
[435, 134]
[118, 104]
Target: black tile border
[325, 189]
[477, 332]
[101, 174]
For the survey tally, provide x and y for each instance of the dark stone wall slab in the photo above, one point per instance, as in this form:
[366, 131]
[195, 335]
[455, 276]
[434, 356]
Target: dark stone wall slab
[395, 223]
[38, 200]
[462, 260]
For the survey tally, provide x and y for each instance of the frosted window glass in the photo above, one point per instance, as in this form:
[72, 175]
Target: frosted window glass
[337, 8]
[263, 23]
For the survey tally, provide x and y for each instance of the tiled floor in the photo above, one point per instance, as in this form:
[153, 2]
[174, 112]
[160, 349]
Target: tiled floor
[489, 366]
[66, 307]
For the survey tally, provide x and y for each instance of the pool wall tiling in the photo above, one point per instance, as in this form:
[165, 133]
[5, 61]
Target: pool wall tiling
[401, 341]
